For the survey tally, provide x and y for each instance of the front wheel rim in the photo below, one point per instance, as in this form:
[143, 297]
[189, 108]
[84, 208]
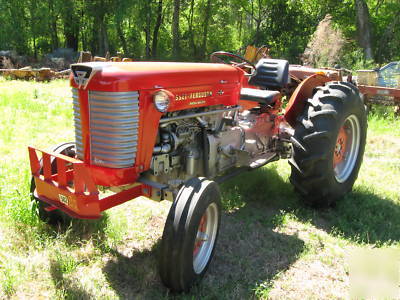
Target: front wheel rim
[205, 238]
[347, 148]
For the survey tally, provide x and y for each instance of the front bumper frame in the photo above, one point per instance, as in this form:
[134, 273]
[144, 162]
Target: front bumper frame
[71, 187]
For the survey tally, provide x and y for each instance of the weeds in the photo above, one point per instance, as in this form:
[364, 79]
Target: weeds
[9, 281]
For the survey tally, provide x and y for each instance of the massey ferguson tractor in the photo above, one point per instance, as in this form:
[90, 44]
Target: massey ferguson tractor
[173, 131]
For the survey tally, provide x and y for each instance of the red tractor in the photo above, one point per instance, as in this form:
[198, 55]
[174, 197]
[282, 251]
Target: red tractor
[173, 131]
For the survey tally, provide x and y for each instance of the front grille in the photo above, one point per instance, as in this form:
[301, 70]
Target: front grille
[114, 119]
[78, 124]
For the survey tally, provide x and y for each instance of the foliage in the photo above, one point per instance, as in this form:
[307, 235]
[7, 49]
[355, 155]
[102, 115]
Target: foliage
[145, 29]
[326, 45]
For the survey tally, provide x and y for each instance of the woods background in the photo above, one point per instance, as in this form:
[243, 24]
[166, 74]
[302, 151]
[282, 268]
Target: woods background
[192, 29]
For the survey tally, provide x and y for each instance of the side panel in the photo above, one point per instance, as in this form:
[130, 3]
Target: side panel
[84, 115]
[148, 129]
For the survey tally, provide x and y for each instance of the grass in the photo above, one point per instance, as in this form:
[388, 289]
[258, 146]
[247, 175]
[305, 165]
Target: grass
[270, 245]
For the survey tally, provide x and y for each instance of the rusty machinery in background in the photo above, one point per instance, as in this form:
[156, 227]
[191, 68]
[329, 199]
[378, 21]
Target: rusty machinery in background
[379, 86]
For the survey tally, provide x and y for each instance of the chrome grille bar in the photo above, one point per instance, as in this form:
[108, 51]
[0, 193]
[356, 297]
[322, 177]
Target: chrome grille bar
[78, 124]
[114, 119]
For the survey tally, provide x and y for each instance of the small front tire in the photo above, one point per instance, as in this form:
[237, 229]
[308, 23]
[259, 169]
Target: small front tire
[190, 234]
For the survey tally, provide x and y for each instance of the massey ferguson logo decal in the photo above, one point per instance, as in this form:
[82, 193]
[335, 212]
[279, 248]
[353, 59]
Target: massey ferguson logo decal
[82, 75]
[194, 95]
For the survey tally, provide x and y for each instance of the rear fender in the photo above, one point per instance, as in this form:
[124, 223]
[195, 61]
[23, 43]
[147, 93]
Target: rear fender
[304, 91]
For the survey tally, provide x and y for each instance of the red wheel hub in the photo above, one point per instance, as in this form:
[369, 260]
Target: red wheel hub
[339, 154]
[201, 233]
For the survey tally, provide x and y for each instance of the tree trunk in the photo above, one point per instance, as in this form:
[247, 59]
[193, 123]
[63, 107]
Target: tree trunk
[240, 25]
[102, 36]
[121, 36]
[257, 35]
[100, 45]
[34, 47]
[205, 28]
[191, 33]
[175, 30]
[364, 28]
[147, 28]
[156, 29]
[105, 38]
[33, 9]
[252, 14]
[71, 25]
[53, 25]
[258, 22]
[84, 36]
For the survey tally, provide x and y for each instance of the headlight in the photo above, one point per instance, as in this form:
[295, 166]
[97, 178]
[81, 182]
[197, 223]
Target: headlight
[161, 100]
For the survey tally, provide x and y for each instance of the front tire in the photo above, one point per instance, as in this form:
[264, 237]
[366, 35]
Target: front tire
[328, 144]
[190, 234]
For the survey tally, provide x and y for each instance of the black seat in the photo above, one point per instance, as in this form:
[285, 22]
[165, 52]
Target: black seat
[271, 74]
[260, 96]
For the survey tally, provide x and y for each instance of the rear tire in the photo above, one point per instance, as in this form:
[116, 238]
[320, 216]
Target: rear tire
[55, 216]
[328, 144]
[190, 234]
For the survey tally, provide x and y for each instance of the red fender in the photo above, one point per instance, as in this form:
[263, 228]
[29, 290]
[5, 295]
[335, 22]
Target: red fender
[304, 91]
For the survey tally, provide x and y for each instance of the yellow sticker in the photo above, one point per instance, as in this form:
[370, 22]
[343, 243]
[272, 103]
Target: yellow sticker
[194, 95]
[63, 199]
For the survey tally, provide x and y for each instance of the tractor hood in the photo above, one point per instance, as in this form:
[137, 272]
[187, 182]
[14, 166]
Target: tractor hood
[137, 76]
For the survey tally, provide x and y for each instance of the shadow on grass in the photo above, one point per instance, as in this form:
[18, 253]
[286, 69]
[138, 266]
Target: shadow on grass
[248, 253]
[75, 230]
[135, 276]
[361, 216]
[67, 288]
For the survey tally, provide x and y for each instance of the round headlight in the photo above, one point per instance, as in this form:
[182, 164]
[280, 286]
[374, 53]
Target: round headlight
[161, 101]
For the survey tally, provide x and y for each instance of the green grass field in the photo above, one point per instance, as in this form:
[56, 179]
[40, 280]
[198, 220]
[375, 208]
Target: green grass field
[270, 245]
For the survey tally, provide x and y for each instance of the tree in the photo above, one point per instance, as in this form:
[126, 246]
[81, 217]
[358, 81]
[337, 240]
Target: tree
[175, 30]
[364, 28]
[190, 29]
[207, 16]
[52, 19]
[70, 24]
[157, 29]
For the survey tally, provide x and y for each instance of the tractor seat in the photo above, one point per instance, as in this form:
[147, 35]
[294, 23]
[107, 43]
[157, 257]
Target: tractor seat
[261, 96]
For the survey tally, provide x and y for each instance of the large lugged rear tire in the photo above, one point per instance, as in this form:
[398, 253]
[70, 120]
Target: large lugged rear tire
[328, 144]
[190, 234]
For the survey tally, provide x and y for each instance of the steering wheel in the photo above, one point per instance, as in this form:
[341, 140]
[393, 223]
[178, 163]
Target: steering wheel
[244, 63]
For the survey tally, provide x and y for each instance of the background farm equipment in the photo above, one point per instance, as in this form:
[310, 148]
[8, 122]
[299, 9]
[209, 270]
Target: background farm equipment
[381, 86]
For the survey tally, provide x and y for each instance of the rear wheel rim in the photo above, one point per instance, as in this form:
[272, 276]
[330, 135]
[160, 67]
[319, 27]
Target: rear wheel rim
[205, 238]
[346, 149]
